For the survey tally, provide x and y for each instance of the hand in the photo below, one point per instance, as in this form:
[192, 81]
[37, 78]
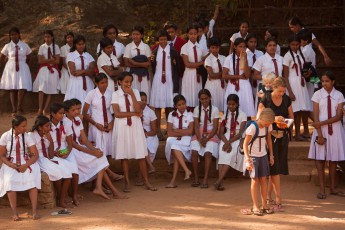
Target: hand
[110, 126]
[22, 168]
[97, 153]
[279, 119]
[249, 165]
[292, 96]
[203, 141]
[14, 166]
[79, 73]
[128, 90]
[260, 94]
[316, 125]
[100, 127]
[48, 136]
[271, 160]
[320, 140]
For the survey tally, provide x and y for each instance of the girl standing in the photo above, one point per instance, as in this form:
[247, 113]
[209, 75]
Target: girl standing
[19, 171]
[16, 76]
[128, 129]
[230, 130]
[297, 86]
[192, 56]
[180, 130]
[48, 76]
[244, 25]
[69, 36]
[58, 169]
[239, 78]
[270, 32]
[136, 58]
[205, 141]
[81, 67]
[328, 139]
[214, 66]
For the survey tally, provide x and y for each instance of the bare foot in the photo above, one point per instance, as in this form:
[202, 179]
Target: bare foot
[99, 192]
[15, 217]
[65, 205]
[171, 186]
[35, 216]
[150, 187]
[120, 196]
[187, 175]
[75, 201]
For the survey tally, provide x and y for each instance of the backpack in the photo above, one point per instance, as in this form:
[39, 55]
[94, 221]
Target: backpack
[256, 135]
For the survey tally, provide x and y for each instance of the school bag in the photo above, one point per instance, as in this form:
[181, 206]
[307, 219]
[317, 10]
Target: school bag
[256, 135]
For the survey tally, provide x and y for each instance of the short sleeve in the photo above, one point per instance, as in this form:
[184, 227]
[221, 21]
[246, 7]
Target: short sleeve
[251, 130]
[196, 112]
[215, 112]
[153, 116]
[3, 139]
[242, 118]
[190, 118]
[4, 50]
[98, 48]
[29, 140]
[68, 128]
[316, 97]
[147, 51]
[170, 118]
[233, 37]
[127, 53]
[115, 98]
[40, 50]
[287, 59]
[258, 64]
[208, 62]
[184, 49]
[227, 62]
[57, 50]
[69, 58]
[116, 62]
[340, 98]
[28, 49]
[88, 98]
[89, 57]
[101, 61]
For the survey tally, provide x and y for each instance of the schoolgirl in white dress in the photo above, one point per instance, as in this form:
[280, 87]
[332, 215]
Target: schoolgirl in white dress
[214, 66]
[239, 78]
[81, 67]
[233, 122]
[136, 48]
[56, 168]
[16, 76]
[328, 139]
[192, 56]
[108, 64]
[110, 31]
[180, 130]
[61, 133]
[65, 49]
[19, 171]
[297, 85]
[48, 77]
[273, 33]
[205, 140]
[242, 33]
[128, 134]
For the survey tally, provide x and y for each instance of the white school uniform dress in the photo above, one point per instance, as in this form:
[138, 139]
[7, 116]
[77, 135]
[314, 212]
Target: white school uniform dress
[334, 147]
[211, 145]
[233, 159]
[310, 56]
[64, 72]
[46, 81]
[182, 145]
[214, 85]
[119, 47]
[151, 141]
[75, 85]
[162, 94]
[88, 165]
[68, 163]
[104, 60]
[190, 85]
[203, 43]
[11, 79]
[246, 102]
[250, 58]
[11, 179]
[130, 52]
[302, 102]
[55, 169]
[128, 142]
[101, 139]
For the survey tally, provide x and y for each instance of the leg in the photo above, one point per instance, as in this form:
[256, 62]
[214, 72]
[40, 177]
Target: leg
[263, 190]
[149, 164]
[332, 175]
[143, 171]
[125, 167]
[21, 93]
[75, 179]
[12, 198]
[57, 185]
[254, 192]
[46, 105]
[320, 166]
[195, 159]
[172, 183]
[116, 193]
[223, 170]
[113, 176]
[298, 116]
[269, 191]
[33, 193]
[158, 112]
[179, 157]
[63, 192]
[40, 102]
[305, 124]
[208, 161]
[98, 189]
[13, 100]
[276, 187]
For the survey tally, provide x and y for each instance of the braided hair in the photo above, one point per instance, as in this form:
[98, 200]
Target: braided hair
[295, 38]
[236, 99]
[50, 32]
[207, 93]
[236, 43]
[16, 121]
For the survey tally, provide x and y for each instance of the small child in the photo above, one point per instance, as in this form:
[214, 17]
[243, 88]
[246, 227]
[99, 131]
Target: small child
[257, 162]
[266, 85]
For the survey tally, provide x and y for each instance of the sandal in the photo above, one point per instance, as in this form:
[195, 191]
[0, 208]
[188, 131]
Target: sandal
[63, 212]
[247, 211]
[204, 186]
[338, 193]
[171, 186]
[270, 202]
[321, 196]
[267, 211]
[152, 188]
[278, 208]
[139, 183]
[195, 184]
[218, 187]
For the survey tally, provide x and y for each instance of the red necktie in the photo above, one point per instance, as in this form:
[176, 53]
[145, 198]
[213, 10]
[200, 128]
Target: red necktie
[180, 124]
[114, 50]
[255, 82]
[329, 110]
[49, 53]
[58, 137]
[140, 78]
[300, 67]
[74, 135]
[205, 122]
[44, 150]
[232, 125]
[237, 72]
[18, 158]
[17, 58]
[105, 115]
[83, 67]
[163, 68]
[129, 119]
[196, 60]
[220, 69]
[275, 67]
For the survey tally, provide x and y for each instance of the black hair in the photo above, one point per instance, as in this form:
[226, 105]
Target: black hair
[244, 21]
[13, 30]
[108, 27]
[239, 41]
[76, 40]
[270, 39]
[296, 21]
[169, 25]
[142, 94]
[75, 101]
[204, 23]
[305, 35]
[40, 121]
[214, 41]
[69, 33]
[123, 75]
[249, 36]
[104, 43]
[54, 108]
[16, 121]
[236, 43]
[191, 27]
[293, 38]
[236, 99]
[99, 77]
[178, 98]
[206, 92]
[67, 105]
[329, 74]
[273, 32]
[140, 29]
[162, 33]
[50, 32]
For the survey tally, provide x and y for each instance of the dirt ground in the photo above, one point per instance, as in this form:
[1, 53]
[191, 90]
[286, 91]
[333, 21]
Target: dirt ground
[186, 207]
